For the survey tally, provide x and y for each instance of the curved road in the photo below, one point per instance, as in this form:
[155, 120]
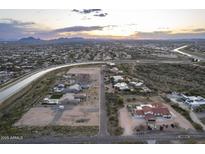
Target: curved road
[5, 93]
[186, 54]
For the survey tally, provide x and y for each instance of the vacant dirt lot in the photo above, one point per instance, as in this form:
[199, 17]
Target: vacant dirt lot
[37, 116]
[129, 123]
[80, 116]
[93, 71]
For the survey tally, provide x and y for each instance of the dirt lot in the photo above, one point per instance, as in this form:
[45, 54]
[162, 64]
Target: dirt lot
[40, 116]
[129, 123]
[93, 71]
[80, 116]
[84, 114]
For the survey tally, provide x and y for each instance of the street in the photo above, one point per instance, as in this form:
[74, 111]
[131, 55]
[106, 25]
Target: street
[103, 113]
[161, 136]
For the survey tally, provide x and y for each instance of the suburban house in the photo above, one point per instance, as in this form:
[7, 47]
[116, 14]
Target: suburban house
[195, 101]
[59, 88]
[151, 111]
[69, 98]
[116, 70]
[192, 101]
[117, 78]
[135, 84]
[121, 86]
[73, 88]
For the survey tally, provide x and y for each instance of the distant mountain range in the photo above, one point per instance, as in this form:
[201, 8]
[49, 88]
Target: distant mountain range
[32, 40]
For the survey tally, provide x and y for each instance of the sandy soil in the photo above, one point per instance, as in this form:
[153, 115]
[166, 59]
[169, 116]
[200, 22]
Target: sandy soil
[85, 70]
[178, 118]
[93, 71]
[37, 116]
[71, 117]
[127, 122]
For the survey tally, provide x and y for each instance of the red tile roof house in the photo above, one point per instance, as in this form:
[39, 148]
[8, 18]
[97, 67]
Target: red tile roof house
[150, 113]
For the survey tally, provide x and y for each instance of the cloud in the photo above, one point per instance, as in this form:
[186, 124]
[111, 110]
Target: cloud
[169, 35]
[15, 22]
[95, 12]
[66, 32]
[86, 11]
[153, 34]
[101, 15]
[13, 29]
[79, 28]
[199, 30]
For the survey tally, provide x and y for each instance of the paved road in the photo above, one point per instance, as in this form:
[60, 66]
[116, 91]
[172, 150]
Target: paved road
[20, 84]
[178, 50]
[152, 61]
[103, 113]
[110, 139]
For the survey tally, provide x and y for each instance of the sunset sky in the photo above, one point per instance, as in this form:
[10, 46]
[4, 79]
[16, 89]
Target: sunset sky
[97, 23]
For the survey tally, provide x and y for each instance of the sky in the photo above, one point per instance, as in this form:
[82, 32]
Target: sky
[98, 23]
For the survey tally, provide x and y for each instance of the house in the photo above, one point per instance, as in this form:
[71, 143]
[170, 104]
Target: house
[149, 111]
[111, 64]
[73, 89]
[192, 101]
[135, 84]
[161, 112]
[150, 117]
[69, 99]
[114, 69]
[121, 86]
[139, 113]
[49, 101]
[85, 86]
[117, 78]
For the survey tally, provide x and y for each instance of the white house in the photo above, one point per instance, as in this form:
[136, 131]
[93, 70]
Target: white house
[74, 88]
[121, 86]
[136, 84]
[50, 101]
[117, 78]
[194, 101]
